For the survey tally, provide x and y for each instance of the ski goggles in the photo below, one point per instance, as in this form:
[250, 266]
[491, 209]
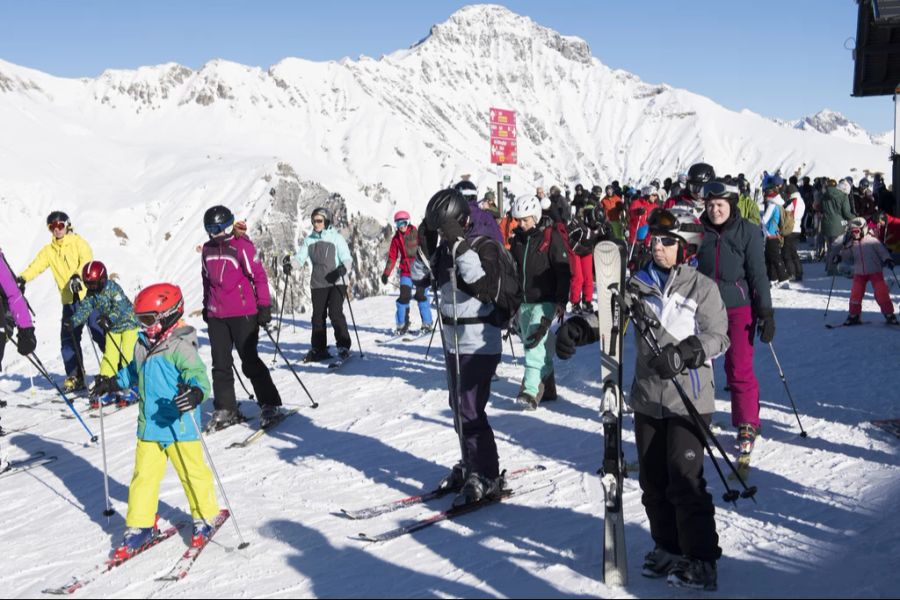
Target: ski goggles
[216, 228]
[666, 241]
[401, 224]
[56, 225]
[318, 220]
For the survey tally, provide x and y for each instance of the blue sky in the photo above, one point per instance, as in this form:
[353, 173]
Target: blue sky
[778, 58]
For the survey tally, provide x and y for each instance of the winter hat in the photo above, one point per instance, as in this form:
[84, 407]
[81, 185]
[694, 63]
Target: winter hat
[844, 186]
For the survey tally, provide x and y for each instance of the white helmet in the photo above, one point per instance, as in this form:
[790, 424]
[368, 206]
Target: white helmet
[526, 206]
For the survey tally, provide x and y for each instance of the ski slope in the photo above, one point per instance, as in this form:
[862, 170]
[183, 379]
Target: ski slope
[823, 524]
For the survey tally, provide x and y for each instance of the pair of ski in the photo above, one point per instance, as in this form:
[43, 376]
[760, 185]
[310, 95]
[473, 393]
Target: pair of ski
[18, 466]
[178, 571]
[444, 515]
[259, 433]
[406, 336]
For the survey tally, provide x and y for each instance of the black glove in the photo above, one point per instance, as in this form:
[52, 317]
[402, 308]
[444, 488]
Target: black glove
[204, 314]
[640, 211]
[335, 275]
[26, 342]
[20, 281]
[263, 315]
[188, 398]
[384, 279]
[74, 284]
[692, 352]
[889, 263]
[766, 326]
[104, 385]
[573, 333]
[286, 266]
[669, 363]
[451, 230]
[535, 338]
[104, 323]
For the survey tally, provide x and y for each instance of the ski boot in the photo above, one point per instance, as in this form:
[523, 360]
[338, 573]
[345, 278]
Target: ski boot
[105, 400]
[454, 480]
[891, 319]
[135, 539]
[73, 383]
[658, 563]
[694, 574]
[852, 320]
[549, 388]
[268, 416]
[224, 418]
[317, 355]
[343, 353]
[202, 531]
[746, 437]
[426, 328]
[587, 308]
[531, 402]
[478, 488]
[126, 398]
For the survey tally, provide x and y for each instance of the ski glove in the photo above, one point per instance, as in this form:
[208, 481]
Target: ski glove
[104, 323]
[573, 333]
[74, 284]
[889, 263]
[336, 274]
[188, 398]
[20, 281]
[104, 385]
[384, 279]
[263, 315]
[286, 266]
[668, 363]
[26, 342]
[766, 326]
[204, 314]
[691, 350]
[535, 338]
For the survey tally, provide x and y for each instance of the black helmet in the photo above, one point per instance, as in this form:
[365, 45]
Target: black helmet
[595, 217]
[58, 216]
[217, 219]
[466, 188]
[324, 213]
[446, 204]
[699, 175]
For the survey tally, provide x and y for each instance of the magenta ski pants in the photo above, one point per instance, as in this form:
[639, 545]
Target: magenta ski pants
[739, 367]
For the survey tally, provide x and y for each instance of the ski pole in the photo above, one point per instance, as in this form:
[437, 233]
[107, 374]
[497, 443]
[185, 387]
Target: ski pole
[457, 417]
[291, 367]
[241, 381]
[109, 509]
[352, 318]
[281, 312]
[827, 304]
[212, 466]
[34, 360]
[787, 389]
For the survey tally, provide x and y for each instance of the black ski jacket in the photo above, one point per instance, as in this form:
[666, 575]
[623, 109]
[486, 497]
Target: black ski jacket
[544, 274]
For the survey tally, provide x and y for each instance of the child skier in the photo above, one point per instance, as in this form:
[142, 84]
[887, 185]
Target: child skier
[869, 258]
[172, 382]
[404, 247]
[115, 316]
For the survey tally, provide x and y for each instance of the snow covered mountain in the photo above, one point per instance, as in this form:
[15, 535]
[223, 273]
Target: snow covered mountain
[146, 151]
[837, 125]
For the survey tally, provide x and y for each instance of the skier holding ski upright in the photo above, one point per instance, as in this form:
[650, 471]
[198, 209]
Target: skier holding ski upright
[470, 275]
[732, 256]
[328, 253]
[404, 248]
[869, 258]
[693, 329]
[172, 382]
[236, 303]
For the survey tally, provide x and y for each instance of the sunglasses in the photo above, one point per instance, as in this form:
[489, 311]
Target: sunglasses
[322, 221]
[401, 224]
[56, 225]
[668, 242]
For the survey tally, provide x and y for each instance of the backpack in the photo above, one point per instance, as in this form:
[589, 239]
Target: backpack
[509, 293]
[786, 224]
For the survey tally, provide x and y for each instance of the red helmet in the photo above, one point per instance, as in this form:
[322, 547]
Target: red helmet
[94, 275]
[158, 308]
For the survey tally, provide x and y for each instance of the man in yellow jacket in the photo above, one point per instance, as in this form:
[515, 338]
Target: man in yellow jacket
[65, 256]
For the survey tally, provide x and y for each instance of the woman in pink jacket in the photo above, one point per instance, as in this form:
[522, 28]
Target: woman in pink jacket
[869, 258]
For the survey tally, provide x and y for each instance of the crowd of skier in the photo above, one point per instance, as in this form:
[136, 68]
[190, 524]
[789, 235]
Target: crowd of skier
[702, 255]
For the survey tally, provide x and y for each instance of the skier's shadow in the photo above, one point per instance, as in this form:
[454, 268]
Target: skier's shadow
[84, 483]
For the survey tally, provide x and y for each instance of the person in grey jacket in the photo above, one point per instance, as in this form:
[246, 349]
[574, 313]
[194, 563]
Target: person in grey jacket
[693, 330]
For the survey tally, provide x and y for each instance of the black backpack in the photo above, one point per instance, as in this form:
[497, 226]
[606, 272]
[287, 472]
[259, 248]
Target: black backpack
[509, 294]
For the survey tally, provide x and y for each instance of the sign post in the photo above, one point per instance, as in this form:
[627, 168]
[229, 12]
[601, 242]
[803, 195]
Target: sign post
[504, 147]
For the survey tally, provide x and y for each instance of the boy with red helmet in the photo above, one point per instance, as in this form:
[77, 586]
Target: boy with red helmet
[404, 247]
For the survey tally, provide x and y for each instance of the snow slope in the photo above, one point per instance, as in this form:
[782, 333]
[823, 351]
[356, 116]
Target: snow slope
[822, 526]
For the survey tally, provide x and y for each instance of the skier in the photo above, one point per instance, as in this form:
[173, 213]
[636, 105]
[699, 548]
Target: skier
[173, 382]
[481, 219]
[543, 268]
[614, 209]
[115, 316]
[468, 272]
[14, 312]
[835, 208]
[869, 258]
[327, 251]
[792, 231]
[236, 303]
[771, 220]
[65, 256]
[732, 255]
[404, 247]
[585, 230]
[693, 330]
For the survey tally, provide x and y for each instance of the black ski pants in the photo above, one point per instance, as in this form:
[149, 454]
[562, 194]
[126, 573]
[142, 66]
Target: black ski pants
[680, 510]
[329, 302]
[774, 262]
[242, 334]
[791, 258]
[480, 449]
